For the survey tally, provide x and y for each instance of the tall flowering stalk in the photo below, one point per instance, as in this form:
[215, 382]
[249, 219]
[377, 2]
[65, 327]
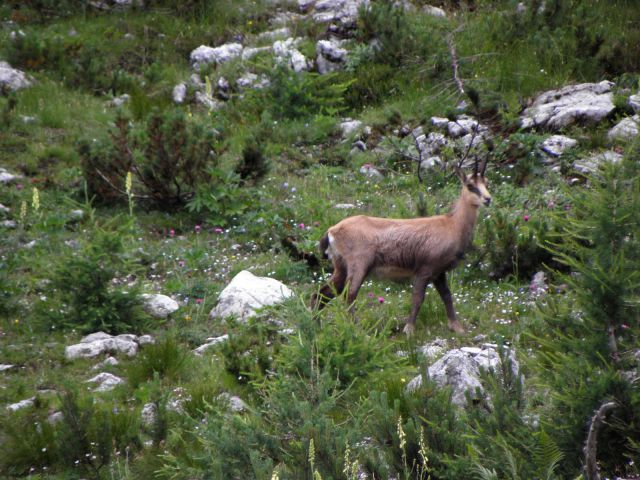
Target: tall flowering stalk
[35, 199]
[128, 186]
[23, 213]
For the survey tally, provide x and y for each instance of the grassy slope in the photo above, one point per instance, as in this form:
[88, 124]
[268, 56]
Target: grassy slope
[194, 265]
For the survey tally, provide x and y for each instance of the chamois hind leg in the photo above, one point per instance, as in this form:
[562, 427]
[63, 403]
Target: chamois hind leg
[333, 287]
[419, 288]
[443, 289]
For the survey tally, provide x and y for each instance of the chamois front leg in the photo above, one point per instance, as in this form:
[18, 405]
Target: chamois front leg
[355, 277]
[419, 288]
[445, 294]
[333, 287]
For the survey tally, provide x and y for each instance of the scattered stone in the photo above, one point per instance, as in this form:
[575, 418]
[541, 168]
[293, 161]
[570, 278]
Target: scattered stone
[583, 103]
[248, 53]
[98, 343]
[342, 13]
[159, 306]
[434, 11]
[76, 215]
[349, 127]
[370, 171]
[13, 79]
[433, 350]
[461, 370]
[149, 415]
[286, 52]
[538, 286]
[204, 55]
[344, 206]
[9, 224]
[26, 403]
[55, 418]
[627, 129]
[7, 177]
[591, 164]
[283, 32]
[120, 101]
[179, 93]
[634, 102]
[177, 400]
[330, 56]
[4, 209]
[106, 382]
[246, 293]
[146, 340]
[441, 123]
[235, 403]
[206, 101]
[5, 366]
[464, 125]
[556, 145]
[107, 362]
[29, 245]
[210, 343]
[251, 80]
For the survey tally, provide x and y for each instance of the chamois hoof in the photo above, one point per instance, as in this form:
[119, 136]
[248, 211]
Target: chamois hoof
[409, 329]
[456, 327]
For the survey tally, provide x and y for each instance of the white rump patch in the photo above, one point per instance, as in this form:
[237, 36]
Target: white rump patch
[329, 250]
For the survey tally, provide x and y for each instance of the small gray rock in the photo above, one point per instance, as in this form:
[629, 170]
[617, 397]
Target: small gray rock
[4, 367]
[556, 145]
[634, 102]
[627, 129]
[179, 93]
[159, 306]
[149, 415]
[13, 79]
[204, 55]
[210, 343]
[26, 403]
[105, 381]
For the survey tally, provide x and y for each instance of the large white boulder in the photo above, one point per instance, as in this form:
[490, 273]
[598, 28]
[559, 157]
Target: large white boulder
[12, 79]
[204, 55]
[583, 103]
[461, 370]
[159, 306]
[98, 343]
[246, 293]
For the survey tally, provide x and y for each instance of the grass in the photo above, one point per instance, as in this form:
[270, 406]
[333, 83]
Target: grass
[336, 378]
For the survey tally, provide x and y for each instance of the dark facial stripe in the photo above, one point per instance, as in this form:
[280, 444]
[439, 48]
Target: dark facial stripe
[473, 189]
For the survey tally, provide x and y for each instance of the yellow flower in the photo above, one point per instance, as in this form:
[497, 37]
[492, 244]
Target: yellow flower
[23, 211]
[128, 183]
[16, 321]
[187, 318]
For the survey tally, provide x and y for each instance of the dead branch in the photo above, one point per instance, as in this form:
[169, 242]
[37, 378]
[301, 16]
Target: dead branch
[110, 183]
[591, 446]
[454, 60]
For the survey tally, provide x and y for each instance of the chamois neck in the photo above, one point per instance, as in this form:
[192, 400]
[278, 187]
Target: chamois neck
[464, 216]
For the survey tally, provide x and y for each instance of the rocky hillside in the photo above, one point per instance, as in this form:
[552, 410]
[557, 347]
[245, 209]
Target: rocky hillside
[167, 170]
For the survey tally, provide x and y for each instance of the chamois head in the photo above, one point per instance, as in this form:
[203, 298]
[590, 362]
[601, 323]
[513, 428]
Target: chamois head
[475, 184]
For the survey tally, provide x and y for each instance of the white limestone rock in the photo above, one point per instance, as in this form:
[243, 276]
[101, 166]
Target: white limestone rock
[583, 103]
[159, 306]
[330, 56]
[287, 53]
[461, 370]
[98, 343]
[591, 164]
[350, 127]
[26, 403]
[5, 366]
[233, 402]
[556, 145]
[627, 129]
[434, 11]
[370, 171]
[105, 382]
[179, 93]
[7, 177]
[246, 293]
[634, 102]
[107, 362]
[149, 415]
[251, 52]
[204, 55]
[211, 343]
[13, 79]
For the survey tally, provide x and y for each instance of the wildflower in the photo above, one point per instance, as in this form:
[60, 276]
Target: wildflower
[199, 300]
[301, 226]
[23, 211]
[181, 263]
[380, 299]
[19, 186]
[128, 183]
[35, 199]
[172, 233]
[197, 228]
[526, 218]
[16, 321]
[187, 318]
[370, 295]
[218, 230]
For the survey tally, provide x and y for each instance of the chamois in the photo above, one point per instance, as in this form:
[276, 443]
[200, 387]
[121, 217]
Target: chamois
[422, 248]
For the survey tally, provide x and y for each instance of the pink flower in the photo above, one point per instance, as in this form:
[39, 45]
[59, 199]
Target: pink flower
[181, 263]
[172, 233]
[526, 218]
[218, 230]
[380, 299]
[199, 300]
[19, 186]
[301, 226]
[197, 228]
[370, 294]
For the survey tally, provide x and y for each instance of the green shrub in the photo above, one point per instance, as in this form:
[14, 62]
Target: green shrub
[83, 282]
[169, 156]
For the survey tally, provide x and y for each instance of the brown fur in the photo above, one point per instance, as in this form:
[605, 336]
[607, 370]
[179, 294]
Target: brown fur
[422, 248]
